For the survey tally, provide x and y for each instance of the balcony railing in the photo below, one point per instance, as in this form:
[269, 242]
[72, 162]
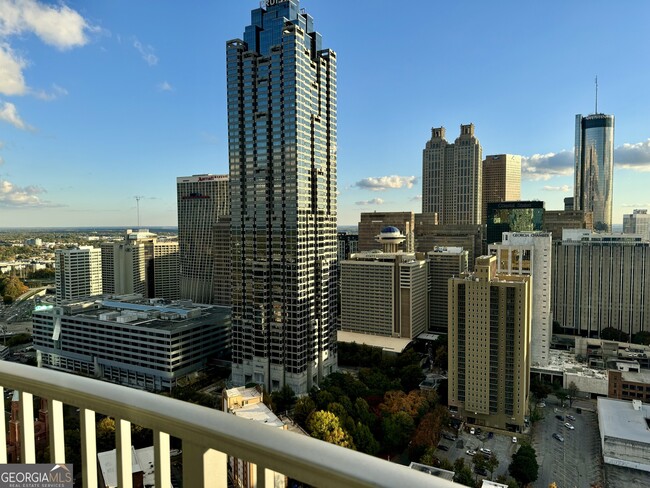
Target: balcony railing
[208, 438]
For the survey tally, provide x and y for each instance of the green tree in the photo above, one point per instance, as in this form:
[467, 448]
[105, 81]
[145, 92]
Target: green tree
[491, 464]
[612, 334]
[326, 426]
[397, 429]
[364, 440]
[463, 474]
[305, 406]
[283, 399]
[363, 414]
[540, 390]
[411, 376]
[561, 395]
[105, 434]
[13, 287]
[641, 337]
[572, 392]
[524, 467]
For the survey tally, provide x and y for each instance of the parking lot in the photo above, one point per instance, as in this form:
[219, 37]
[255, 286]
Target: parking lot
[575, 462]
[501, 445]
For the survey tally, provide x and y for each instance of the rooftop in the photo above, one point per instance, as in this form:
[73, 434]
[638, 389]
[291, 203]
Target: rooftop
[565, 362]
[391, 344]
[619, 419]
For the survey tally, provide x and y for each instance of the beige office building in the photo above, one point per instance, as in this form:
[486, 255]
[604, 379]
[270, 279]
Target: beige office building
[429, 234]
[384, 294]
[489, 346]
[638, 222]
[141, 264]
[501, 180]
[372, 223]
[555, 221]
[452, 177]
[202, 199]
[78, 273]
[601, 281]
[529, 254]
[442, 263]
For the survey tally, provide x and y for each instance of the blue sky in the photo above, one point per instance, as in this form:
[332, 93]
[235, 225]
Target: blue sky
[103, 101]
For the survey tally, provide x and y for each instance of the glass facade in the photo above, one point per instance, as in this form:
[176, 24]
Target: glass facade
[594, 167]
[282, 155]
[519, 216]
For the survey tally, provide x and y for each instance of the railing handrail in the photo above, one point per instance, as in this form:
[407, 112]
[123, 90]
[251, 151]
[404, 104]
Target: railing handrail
[300, 457]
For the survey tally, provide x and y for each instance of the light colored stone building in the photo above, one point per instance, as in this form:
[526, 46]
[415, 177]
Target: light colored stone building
[489, 346]
[501, 180]
[442, 263]
[78, 273]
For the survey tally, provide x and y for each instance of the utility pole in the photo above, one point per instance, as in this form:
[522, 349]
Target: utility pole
[137, 203]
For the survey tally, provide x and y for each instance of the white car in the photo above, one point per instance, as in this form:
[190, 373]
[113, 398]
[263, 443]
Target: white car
[470, 452]
[514, 440]
[541, 404]
[485, 450]
[471, 430]
[569, 426]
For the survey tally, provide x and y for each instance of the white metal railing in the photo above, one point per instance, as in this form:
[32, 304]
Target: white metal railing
[208, 437]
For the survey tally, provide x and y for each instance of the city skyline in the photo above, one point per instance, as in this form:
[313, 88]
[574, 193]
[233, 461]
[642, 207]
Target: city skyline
[126, 98]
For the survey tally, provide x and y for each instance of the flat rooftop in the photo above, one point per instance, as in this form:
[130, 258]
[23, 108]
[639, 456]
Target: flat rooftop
[619, 420]
[259, 413]
[565, 362]
[389, 344]
[643, 376]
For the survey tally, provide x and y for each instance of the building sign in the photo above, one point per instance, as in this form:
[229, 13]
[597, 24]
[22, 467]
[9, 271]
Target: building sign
[36, 475]
[270, 3]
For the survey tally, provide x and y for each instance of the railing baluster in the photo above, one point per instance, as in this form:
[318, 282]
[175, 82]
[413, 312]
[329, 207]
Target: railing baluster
[263, 477]
[162, 462]
[204, 467]
[88, 448]
[27, 441]
[57, 437]
[123, 446]
[3, 434]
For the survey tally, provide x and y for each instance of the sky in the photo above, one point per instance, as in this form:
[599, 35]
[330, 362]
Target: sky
[108, 100]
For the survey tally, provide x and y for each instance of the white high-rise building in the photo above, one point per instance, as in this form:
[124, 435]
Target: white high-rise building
[78, 273]
[638, 222]
[529, 254]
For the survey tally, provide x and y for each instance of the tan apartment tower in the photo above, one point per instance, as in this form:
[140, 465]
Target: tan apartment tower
[78, 273]
[452, 177]
[501, 180]
[489, 346]
[202, 199]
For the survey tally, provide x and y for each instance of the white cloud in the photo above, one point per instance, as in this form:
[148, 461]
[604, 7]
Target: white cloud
[546, 166]
[8, 113]
[386, 182]
[563, 188]
[374, 201]
[164, 86]
[56, 25]
[17, 197]
[417, 198]
[12, 81]
[635, 205]
[147, 52]
[633, 156]
[56, 92]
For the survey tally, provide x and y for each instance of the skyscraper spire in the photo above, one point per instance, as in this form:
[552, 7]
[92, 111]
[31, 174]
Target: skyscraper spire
[596, 95]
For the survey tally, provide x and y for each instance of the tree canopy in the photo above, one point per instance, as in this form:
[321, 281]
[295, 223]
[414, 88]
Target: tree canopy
[524, 468]
[326, 426]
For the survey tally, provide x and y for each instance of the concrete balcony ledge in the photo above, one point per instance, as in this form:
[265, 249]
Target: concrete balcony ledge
[208, 436]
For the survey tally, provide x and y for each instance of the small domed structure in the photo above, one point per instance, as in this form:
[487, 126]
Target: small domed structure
[390, 237]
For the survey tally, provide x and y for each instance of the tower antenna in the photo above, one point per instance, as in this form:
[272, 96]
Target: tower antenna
[596, 94]
[137, 203]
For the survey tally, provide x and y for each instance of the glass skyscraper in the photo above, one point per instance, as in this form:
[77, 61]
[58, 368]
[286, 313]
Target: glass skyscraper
[594, 168]
[282, 153]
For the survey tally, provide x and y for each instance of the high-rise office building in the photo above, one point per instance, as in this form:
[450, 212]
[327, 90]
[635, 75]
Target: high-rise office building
[141, 263]
[429, 235]
[601, 281]
[555, 221]
[519, 216]
[442, 263]
[282, 143]
[202, 199]
[529, 254]
[452, 177]
[501, 180]
[638, 222]
[594, 168]
[489, 343]
[78, 273]
[384, 293]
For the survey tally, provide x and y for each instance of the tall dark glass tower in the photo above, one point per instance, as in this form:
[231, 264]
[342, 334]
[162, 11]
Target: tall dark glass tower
[594, 168]
[282, 143]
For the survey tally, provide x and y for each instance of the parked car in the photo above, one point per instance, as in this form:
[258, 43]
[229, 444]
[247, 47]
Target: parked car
[569, 426]
[558, 437]
[470, 452]
[442, 447]
[514, 440]
[559, 417]
[448, 436]
[485, 450]
[570, 417]
[490, 435]
[481, 471]
[471, 430]
[541, 404]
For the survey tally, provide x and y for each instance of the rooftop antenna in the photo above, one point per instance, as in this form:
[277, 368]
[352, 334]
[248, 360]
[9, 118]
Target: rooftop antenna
[596, 94]
[137, 203]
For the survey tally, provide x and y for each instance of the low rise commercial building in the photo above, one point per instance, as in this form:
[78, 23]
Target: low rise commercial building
[624, 433]
[131, 341]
